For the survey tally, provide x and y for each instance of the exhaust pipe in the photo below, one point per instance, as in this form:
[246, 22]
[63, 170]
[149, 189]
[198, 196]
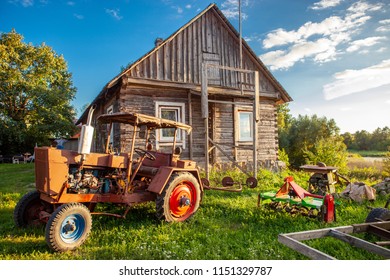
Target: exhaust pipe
[86, 135]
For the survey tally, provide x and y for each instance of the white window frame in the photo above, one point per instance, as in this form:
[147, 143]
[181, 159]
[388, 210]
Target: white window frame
[239, 137]
[179, 107]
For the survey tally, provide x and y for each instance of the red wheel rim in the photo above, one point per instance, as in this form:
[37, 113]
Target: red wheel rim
[182, 200]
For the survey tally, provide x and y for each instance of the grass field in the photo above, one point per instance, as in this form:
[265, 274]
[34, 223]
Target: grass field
[227, 226]
[368, 153]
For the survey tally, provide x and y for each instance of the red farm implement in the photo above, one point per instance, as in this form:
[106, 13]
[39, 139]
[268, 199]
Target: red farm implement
[294, 199]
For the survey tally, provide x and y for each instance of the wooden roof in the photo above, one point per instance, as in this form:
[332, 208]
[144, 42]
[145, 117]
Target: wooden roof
[212, 8]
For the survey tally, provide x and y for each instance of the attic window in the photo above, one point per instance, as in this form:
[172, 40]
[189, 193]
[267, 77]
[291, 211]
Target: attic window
[213, 73]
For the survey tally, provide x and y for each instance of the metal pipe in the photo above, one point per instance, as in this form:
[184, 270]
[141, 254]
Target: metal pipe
[174, 141]
[130, 165]
[108, 138]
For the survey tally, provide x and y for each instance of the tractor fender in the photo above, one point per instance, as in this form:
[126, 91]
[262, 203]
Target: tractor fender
[164, 173]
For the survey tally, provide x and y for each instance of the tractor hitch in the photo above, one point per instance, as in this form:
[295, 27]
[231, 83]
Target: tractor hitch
[229, 185]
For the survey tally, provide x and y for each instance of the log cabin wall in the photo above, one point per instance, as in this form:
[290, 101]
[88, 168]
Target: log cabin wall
[135, 99]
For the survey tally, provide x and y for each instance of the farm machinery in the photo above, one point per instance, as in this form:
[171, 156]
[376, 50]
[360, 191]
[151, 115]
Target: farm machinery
[317, 201]
[323, 179]
[294, 199]
[70, 184]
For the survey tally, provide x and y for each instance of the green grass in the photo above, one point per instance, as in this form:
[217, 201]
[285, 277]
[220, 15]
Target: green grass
[368, 153]
[227, 226]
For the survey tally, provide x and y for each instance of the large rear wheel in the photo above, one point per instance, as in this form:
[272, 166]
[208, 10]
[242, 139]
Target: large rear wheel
[68, 227]
[180, 198]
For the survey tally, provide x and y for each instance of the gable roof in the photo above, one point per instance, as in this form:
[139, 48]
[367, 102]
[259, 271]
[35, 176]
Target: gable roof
[211, 8]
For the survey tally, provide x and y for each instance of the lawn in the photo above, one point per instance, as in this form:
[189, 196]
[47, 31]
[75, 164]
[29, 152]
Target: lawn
[228, 226]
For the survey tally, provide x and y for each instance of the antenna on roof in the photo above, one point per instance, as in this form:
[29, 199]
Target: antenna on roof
[240, 43]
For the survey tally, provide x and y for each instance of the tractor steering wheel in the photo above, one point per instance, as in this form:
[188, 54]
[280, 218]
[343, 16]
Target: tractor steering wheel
[142, 153]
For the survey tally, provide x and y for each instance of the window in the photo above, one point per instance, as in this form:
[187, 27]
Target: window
[172, 111]
[245, 126]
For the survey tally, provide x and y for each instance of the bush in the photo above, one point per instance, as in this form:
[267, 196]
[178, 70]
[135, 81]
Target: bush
[332, 151]
[386, 164]
[364, 174]
[283, 156]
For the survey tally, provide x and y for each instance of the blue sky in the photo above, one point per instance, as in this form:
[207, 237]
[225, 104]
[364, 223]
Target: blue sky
[332, 56]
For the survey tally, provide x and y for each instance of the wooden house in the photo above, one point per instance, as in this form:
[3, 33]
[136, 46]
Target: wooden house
[194, 77]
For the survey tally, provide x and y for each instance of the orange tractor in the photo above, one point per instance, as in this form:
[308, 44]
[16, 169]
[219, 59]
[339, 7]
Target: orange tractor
[70, 184]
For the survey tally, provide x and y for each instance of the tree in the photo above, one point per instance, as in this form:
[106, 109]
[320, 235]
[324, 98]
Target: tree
[284, 124]
[307, 138]
[35, 94]
[362, 140]
[380, 139]
[349, 140]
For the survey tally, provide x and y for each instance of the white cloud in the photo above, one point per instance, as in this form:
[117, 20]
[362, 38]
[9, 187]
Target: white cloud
[280, 37]
[367, 42]
[28, 3]
[230, 9]
[24, 3]
[383, 29]
[324, 4]
[354, 81]
[321, 50]
[114, 13]
[80, 17]
[188, 6]
[303, 43]
[385, 26]
[362, 7]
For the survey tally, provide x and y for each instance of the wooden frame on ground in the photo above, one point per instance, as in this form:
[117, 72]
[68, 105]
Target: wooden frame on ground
[343, 233]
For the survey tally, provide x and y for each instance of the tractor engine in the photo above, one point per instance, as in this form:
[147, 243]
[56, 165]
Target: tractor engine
[93, 181]
[82, 182]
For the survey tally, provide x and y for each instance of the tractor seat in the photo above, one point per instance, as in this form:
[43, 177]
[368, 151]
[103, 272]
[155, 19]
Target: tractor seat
[146, 171]
[162, 159]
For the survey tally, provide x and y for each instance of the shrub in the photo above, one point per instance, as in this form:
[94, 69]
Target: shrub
[283, 156]
[386, 164]
[332, 151]
[364, 174]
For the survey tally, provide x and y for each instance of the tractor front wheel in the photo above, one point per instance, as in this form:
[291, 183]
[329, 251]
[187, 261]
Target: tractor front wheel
[180, 198]
[68, 227]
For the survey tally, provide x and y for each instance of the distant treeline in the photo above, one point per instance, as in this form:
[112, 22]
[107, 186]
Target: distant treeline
[378, 140]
